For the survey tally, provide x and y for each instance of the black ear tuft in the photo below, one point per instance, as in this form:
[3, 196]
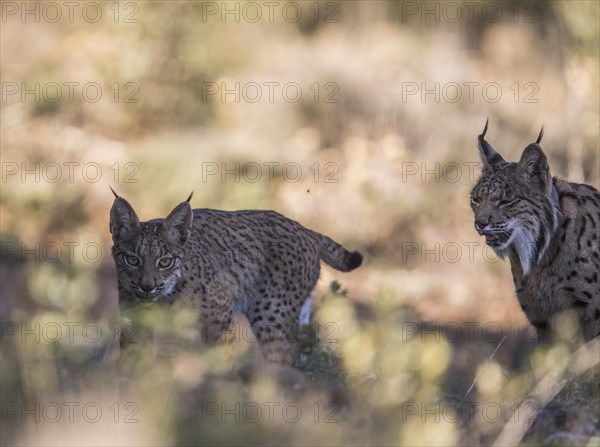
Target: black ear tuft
[485, 128]
[113, 191]
[190, 197]
[178, 223]
[488, 155]
[124, 223]
[539, 138]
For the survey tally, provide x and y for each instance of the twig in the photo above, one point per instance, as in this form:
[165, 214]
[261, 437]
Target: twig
[484, 367]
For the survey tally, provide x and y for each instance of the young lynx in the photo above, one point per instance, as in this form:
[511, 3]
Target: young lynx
[258, 263]
[549, 229]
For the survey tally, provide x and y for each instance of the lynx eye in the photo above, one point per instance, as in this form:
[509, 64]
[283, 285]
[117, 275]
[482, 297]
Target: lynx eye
[132, 260]
[475, 201]
[166, 263]
[504, 202]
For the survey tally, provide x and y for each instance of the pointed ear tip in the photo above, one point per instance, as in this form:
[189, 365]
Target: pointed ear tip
[485, 128]
[540, 136]
[183, 208]
[533, 150]
[113, 191]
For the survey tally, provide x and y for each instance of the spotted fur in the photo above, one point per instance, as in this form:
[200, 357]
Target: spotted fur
[549, 229]
[258, 263]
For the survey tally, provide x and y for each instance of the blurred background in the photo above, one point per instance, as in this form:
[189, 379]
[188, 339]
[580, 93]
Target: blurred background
[357, 119]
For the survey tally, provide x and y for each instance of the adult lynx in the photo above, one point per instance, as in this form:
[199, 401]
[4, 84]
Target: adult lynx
[549, 228]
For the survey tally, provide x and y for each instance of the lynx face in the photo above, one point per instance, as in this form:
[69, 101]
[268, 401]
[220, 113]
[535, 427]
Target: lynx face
[515, 204]
[149, 256]
[494, 206]
[146, 268]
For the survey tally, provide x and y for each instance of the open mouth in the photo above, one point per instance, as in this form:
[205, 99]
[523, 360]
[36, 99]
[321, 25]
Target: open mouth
[496, 239]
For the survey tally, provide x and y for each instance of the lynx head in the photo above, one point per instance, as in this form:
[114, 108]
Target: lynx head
[515, 204]
[149, 256]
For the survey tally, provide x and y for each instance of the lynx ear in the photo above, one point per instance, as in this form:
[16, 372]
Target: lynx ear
[487, 153]
[124, 223]
[178, 223]
[533, 167]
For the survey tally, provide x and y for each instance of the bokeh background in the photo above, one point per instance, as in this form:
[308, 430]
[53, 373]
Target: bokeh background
[358, 119]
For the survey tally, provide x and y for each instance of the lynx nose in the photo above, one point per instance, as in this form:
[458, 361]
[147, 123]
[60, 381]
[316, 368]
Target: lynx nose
[147, 288]
[480, 224]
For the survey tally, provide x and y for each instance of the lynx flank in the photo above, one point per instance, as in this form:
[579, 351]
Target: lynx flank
[549, 228]
[258, 263]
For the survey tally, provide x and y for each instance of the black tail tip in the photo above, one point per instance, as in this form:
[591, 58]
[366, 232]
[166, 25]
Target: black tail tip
[354, 260]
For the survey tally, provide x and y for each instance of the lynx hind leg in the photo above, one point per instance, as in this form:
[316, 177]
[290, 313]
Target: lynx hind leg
[276, 323]
[270, 324]
[287, 282]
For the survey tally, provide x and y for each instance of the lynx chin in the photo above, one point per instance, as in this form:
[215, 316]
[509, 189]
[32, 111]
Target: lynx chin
[258, 263]
[549, 229]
